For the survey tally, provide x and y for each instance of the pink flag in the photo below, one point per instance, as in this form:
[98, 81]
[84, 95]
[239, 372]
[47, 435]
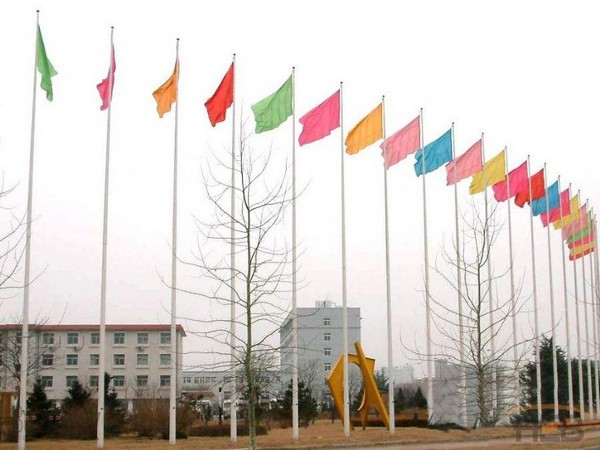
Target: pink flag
[517, 180]
[577, 225]
[105, 88]
[402, 143]
[555, 214]
[321, 120]
[465, 165]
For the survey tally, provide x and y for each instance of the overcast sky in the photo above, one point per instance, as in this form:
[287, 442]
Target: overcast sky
[525, 73]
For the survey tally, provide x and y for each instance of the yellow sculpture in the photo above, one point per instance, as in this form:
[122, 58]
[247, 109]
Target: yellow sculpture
[371, 396]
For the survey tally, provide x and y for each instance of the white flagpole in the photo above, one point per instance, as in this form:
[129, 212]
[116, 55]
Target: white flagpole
[295, 428]
[430, 406]
[579, 355]
[596, 315]
[344, 291]
[391, 413]
[568, 332]
[102, 356]
[594, 332]
[173, 381]
[538, 368]
[587, 335]
[233, 297]
[552, 315]
[461, 331]
[26, 279]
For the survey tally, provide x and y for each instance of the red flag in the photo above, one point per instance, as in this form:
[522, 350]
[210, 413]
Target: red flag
[467, 164]
[584, 240]
[582, 254]
[564, 209]
[221, 100]
[538, 189]
[517, 179]
[321, 120]
[105, 88]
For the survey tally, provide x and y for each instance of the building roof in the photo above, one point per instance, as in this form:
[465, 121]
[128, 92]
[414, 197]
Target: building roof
[95, 327]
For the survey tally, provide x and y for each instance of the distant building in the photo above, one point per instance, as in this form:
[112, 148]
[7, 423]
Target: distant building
[402, 375]
[320, 343]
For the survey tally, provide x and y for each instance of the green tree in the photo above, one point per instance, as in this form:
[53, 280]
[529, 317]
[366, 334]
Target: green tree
[419, 400]
[399, 401]
[40, 409]
[78, 396]
[307, 406]
[114, 413]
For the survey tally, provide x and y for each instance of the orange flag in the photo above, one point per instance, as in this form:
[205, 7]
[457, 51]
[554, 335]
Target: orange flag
[366, 132]
[167, 93]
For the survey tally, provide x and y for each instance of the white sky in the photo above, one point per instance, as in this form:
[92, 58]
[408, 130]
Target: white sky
[525, 73]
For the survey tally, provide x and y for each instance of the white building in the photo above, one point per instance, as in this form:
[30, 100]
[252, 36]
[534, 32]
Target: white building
[402, 374]
[138, 357]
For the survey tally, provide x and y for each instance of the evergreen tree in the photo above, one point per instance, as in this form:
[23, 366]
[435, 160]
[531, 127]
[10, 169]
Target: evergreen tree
[114, 413]
[40, 409]
[399, 400]
[78, 396]
[419, 401]
[307, 406]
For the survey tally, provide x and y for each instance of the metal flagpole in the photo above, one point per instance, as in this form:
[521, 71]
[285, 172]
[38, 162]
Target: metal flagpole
[102, 356]
[595, 304]
[552, 315]
[594, 333]
[430, 406]
[173, 380]
[26, 276]
[538, 368]
[295, 429]
[461, 331]
[587, 335]
[233, 297]
[568, 332]
[391, 413]
[344, 291]
[580, 365]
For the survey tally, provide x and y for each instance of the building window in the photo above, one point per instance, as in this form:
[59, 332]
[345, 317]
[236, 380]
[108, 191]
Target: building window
[72, 360]
[72, 338]
[93, 380]
[94, 359]
[119, 339]
[142, 359]
[48, 338]
[142, 339]
[47, 360]
[326, 336]
[326, 321]
[165, 338]
[47, 381]
[95, 338]
[19, 338]
[141, 380]
[119, 359]
[197, 380]
[71, 380]
[118, 381]
[165, 380]
[187, 380]
[165, 359]
[327, 351]
[327, 367]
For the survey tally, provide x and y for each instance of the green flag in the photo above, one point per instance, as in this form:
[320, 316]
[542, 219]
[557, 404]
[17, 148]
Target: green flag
[272, 111]
[44, 66]
[580, 235]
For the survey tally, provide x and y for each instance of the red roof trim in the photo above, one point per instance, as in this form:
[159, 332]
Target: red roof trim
[125, 327]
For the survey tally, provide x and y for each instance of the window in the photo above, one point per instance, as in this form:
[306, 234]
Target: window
[94, 359]
[165, 359]
[326, 321]
[165, 380]
[72, 360]
[141, 380]
[119, 359]
[94, 380]
[71, 380]
[119, 338]
[142, 359]
[95, 338]
[47, 381]
[165, 338]
[327, 351]
[142, 339]
[48, 338]
[187, 380]
[118, 381]
[197, 380]
[72, 338]
[327, 367]
[47, 360]
[326, 336]
[19, 338]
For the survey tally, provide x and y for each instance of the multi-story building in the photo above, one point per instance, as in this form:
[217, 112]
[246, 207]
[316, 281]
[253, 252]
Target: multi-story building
[138, 358]
[402, 374]
[320, 343]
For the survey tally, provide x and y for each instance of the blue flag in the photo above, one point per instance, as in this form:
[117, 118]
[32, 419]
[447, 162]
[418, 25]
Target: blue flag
[437, 153]
[539, 206]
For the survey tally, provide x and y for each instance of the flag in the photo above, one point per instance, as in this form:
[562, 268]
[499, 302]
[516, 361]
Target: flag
[548, 202]
[44, 66]
[538, 189]
[166, 94]
[583, 237]
[465, 165]
[105, 88]
[581, 251]
[576, 224]
[436, 154]
[516, 180]
[402, 143]
[493, 172]
[321, 120]
[365, 132]
[273, 110]
[217, 105]
[572, 214]
[582, 254]
[561, 211]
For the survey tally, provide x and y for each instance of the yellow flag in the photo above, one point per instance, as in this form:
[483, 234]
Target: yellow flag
[367, 131]
[167, 93]
[493, 172]
[582, 248]
[574, 215]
